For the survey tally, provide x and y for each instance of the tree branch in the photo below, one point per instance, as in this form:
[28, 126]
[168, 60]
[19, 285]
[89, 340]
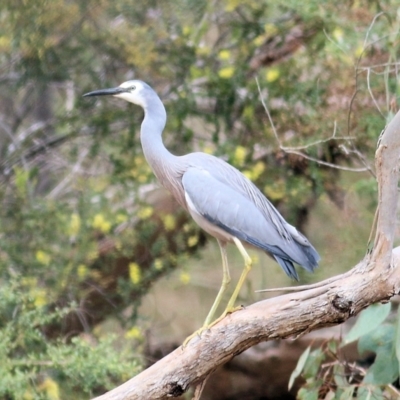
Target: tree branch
[376, 278]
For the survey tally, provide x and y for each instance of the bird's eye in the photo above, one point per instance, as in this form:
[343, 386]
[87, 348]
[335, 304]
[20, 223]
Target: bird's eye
[132, 88]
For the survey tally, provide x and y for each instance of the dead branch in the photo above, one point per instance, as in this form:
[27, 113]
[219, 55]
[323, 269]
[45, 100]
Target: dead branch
[375, 279]
[296, 150]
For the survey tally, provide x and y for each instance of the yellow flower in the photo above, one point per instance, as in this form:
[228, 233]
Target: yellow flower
[203, 50]
[208, 150]
[82, 271]
[29, 281]
[192, 240]
[142, 178]
[145, 212]
[158, 264]
[5, 43]
[43, 257]
[40, 298]
[359, 51]
[118, 244]
[186, 30]
[184, 277]
[135, 274]
[51, 388]
[231, 5]
[338, 34]
[276, 191]
[92, 255]
[121, 218]
[134, 333]
[75, 224]
[259, 40]
[258, 169]
[28, 395]
[270, 29]
[169, 222]
[248, 174]
[139, 160]
[100, 223]
[248, 112]
[239, 155]
[224, 55]
[272, 74]
[226, 73]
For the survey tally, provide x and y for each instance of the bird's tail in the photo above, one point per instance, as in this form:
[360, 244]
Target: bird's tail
[308, 259]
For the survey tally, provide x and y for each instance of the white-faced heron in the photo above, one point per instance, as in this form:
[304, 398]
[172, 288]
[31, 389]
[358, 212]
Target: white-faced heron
[220, 199]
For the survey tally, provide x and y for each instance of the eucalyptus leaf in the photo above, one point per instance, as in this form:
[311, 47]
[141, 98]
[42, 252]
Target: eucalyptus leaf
[397, 338]
[370, 392]
[339, 375]
[347, 393]
[368, 320]
[374, 341]
[299, 367]
[313, 363]
[385, 369]
[308, 394]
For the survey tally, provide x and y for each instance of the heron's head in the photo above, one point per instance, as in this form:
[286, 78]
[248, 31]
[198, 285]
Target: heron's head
[133, 91]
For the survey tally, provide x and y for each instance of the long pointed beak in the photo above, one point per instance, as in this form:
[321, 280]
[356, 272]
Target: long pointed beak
[105, 92]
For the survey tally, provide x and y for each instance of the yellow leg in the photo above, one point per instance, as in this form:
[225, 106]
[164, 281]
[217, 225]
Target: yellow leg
[225, 282]
[226, 278]
[247, 267]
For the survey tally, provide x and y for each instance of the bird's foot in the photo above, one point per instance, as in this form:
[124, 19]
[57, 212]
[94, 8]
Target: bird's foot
[194, 334]
[199, 332]
[228, 310]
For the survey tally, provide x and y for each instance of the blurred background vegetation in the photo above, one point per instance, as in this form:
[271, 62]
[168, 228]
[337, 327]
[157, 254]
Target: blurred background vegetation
[96, 261]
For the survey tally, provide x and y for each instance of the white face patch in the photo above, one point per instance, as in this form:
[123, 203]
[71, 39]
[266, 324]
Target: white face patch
[134, 94]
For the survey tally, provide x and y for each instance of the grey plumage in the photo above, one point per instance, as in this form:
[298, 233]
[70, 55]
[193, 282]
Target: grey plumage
[219, 197]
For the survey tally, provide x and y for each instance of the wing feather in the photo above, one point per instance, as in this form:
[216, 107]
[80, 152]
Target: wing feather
[239, 210]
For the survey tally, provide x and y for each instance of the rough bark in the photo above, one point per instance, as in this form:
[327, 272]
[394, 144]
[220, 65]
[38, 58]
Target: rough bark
[375, 279]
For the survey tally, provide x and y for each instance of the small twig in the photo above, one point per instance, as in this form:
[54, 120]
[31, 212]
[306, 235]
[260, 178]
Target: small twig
[293, 150]
[303, 287]
[57, 190]
[374, 66]
[370, 28]
[373, 227]
[199, 389]
[268, 113]
[327, 164]
[371, 94]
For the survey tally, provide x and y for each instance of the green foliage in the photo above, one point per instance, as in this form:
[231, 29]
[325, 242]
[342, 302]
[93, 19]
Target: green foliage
[367, 322]
[76, 226]
[328, 375]
[34, 367]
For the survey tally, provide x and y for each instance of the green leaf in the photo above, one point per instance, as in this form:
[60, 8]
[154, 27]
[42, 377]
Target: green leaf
[397, 338]
[369, 392]
[347, 393]
[339, 375]
[385, 369]
[308, 394]
[368, 320]
[313, 363]
[299, 367]
[375, 340]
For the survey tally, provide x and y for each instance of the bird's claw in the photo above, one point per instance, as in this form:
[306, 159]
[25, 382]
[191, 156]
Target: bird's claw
[199, 332]
[194, 334]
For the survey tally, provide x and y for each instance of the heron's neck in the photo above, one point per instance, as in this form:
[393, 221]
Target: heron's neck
[154, 150]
